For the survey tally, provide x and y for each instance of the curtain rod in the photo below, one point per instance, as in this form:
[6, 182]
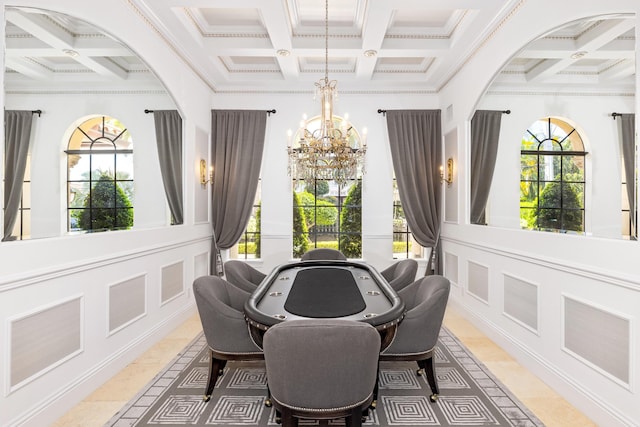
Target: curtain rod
[269, 112]
[384, 112]
[38, 112]
[614, 115]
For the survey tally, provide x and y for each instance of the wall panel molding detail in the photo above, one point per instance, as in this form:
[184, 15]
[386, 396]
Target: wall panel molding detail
[9, 283]
[521, 302]
[608, 277]
[451, 267]
[598, 337]
[201, 265]
[43, 339]
[478, 280]
[172, 283]
[127, 302]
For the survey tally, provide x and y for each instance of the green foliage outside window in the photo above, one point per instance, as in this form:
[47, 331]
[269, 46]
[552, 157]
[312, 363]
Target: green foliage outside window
[317, 212]
[351, 223]
[106, 208]
[560, 195]
[319, 188]
[300, 230]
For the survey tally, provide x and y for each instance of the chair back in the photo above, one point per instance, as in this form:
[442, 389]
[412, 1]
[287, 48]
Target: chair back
[323, 253]
[401, 274]
[425, 301]
[243, 275]
[220, 306]
[321, 364]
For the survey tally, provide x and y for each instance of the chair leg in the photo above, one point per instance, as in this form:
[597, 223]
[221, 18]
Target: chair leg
[214, 372]
[268, 403]
[374, 402]
[355, 419]
[429, 368]
[288, 420]
[223, 364]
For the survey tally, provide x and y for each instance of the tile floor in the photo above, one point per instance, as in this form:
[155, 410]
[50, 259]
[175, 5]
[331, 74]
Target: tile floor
[100, 406]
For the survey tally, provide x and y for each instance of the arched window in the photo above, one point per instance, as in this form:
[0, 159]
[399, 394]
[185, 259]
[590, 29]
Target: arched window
[552, 180]
[325, 213]
[100, 176]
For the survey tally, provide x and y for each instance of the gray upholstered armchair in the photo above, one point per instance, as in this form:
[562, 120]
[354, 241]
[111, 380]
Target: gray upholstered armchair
[220, 305]
[242, 275]
[321, 368]
[323, 253]
[425, 301]
[401, 273]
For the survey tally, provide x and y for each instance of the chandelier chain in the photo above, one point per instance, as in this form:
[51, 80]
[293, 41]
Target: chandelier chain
[326, 40]
[333, 150]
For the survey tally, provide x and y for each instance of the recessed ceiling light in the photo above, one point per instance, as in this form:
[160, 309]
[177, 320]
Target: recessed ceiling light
[283, 52]
[70, 52]
[578, 55]
[370, 53]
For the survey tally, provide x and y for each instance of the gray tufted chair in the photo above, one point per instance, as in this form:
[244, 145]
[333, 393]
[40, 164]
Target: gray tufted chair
[401, 273]
[425, 301]
[323, 253]
[242, 275]
[220, 305]
[321, 369]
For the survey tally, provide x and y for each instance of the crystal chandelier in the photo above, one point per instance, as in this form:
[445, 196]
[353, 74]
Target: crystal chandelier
[327, 152]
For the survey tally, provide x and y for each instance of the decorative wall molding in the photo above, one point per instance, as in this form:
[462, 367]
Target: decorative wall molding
[604, 276]
[28, 278]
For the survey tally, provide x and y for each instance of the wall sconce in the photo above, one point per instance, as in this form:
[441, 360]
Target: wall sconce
[204, 179]
[449, 178]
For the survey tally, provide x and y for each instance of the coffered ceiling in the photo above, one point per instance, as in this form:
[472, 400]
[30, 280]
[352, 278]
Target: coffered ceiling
[375, 46]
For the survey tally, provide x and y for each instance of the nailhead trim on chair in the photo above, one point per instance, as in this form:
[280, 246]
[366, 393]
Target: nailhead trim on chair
[341, 408]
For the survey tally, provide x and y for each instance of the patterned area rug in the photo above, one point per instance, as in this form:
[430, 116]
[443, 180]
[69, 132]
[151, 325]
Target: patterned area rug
[469, 394]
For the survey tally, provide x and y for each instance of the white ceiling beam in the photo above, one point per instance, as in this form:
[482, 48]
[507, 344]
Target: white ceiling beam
[373, 32]
[274, 17]
[28, 68]
[42, 28]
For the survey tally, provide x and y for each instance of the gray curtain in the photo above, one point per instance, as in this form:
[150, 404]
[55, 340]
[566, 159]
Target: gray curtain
[237, 142]
[415, 137]
[169, 140]
[628, 134]
[17, 133]
[485, 131]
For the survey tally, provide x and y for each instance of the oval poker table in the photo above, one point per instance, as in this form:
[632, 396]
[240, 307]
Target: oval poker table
[324, 289]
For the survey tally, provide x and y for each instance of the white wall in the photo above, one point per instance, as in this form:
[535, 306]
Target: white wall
[41, 274]
[600, 274]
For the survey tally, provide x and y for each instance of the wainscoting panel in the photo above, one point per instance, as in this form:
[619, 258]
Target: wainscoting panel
[127, 302]
[521, 301]
[201, 265]
[598, 337]
[172, 281]
[478, 277]
[451, 267]
[42, 340]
